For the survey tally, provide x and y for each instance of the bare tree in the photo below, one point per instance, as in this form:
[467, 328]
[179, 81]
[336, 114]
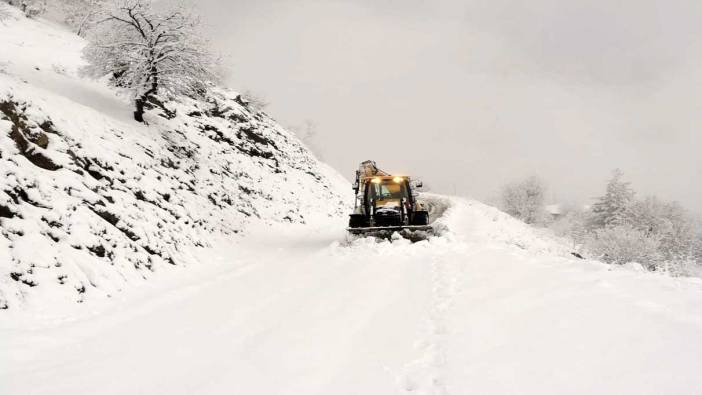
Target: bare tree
[150, 52]
[254, 101]
[309, 131]
[308, 134]
[524, 200]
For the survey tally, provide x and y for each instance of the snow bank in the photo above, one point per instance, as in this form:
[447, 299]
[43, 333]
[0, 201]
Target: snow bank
[91, 201]
[474, 222]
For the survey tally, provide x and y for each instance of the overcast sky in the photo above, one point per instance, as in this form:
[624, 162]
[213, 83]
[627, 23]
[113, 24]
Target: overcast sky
[470, 94]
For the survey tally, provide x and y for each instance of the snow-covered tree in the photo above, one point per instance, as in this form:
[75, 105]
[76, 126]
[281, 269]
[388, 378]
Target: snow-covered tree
[31, 8]
[81, 15]
[610, 209]
[524, 200]
[150, 52]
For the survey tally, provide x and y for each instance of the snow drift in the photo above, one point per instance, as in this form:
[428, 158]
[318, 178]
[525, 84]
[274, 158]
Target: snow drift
[91, 201]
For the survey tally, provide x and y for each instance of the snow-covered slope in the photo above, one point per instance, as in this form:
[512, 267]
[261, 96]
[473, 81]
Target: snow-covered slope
[91, 200]
[490, 307]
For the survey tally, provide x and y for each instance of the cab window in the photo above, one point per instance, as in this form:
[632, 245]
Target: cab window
[387, 190]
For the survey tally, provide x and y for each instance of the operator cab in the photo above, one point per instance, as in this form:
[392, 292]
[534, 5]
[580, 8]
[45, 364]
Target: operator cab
[387, 190]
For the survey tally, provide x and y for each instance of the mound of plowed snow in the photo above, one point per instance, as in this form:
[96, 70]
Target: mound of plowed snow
[476, 222]
[91, 200]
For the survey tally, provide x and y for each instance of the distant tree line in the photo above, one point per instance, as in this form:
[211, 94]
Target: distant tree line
[618, 228]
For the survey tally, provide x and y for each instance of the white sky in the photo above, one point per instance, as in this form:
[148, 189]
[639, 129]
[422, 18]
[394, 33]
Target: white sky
[472, 94]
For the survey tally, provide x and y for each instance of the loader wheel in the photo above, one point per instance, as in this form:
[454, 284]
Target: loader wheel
[420, 218]
[357, 221]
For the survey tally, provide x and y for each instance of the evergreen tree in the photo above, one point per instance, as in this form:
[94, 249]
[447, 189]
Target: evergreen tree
[611, 209]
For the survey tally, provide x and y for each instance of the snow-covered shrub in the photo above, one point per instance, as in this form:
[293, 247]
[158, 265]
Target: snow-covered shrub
[611, 208]
[149, 52]
[687, 268]
[31, 8]
[624, 244]
[524, 200]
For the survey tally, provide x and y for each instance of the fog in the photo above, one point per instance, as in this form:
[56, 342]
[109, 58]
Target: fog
[472, 94]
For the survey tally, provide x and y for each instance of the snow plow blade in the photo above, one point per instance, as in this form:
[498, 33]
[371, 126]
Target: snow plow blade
[389, 229]
[412, 232]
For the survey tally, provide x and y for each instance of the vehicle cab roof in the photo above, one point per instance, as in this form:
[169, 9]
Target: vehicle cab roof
[385, 177]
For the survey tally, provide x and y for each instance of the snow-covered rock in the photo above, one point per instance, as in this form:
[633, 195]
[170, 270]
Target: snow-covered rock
[91, 201]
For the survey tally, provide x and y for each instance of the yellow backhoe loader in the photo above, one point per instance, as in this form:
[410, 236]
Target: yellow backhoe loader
[386, 204]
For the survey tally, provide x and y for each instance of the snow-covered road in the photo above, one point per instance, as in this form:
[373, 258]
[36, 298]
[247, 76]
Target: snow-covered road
[490, 307]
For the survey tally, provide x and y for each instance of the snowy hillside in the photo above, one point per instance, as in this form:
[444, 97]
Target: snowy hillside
[91, 200]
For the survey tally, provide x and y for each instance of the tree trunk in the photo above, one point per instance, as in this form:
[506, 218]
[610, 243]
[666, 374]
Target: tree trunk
[140, 102]
[139, 112]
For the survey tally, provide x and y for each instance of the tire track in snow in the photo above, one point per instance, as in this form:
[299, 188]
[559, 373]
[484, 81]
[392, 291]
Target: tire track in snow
[424, 375]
